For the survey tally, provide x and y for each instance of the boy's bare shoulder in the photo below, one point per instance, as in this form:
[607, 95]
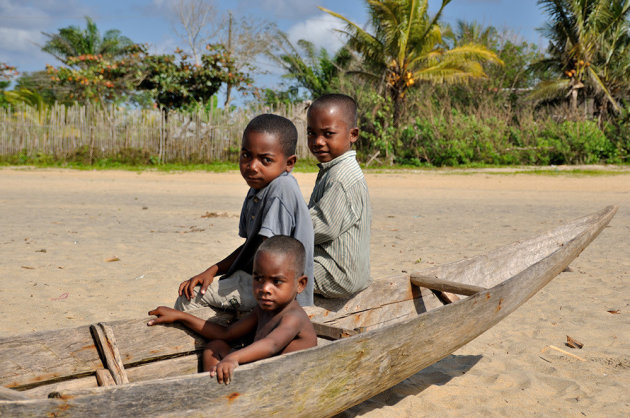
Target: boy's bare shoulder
[297, 314]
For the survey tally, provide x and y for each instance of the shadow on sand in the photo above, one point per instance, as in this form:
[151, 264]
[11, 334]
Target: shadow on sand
[439, 373]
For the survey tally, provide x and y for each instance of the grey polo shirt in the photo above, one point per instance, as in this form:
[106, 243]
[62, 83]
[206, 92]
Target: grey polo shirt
[342, 217]
[278, 209]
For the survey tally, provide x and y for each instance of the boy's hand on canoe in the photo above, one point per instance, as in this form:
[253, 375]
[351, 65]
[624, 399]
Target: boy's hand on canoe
[164, 315]
[224, 370]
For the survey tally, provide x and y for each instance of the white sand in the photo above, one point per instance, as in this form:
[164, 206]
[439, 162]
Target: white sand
[60, 226]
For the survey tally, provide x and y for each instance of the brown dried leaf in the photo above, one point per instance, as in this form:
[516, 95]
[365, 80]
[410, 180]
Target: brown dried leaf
[28, 267]
[109, 260]
[574, 343]
[614, 311]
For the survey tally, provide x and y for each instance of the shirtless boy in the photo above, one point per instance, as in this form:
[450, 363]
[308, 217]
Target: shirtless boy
[278, 323]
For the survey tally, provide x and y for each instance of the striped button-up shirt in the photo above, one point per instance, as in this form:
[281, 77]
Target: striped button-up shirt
[342, 215]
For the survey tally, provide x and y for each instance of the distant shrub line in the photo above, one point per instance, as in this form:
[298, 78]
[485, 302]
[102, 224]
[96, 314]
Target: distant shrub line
[467, 140]
[110, 137]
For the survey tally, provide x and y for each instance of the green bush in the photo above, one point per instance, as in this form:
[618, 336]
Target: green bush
[466, 139]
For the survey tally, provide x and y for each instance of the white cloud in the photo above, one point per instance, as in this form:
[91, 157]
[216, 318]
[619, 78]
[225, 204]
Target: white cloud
[21, 24]
[18, 40]
[320, 30]
[282, 8]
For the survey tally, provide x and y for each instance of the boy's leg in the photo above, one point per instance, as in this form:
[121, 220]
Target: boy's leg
[213, 353]
[233, 293]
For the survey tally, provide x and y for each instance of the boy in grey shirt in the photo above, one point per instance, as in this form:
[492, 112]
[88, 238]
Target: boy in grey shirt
[273, 206]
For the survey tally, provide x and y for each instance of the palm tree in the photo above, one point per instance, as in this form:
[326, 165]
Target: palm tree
[472, 32]
[588, 48]
[407, 47]
[311, 69]
[72, 41]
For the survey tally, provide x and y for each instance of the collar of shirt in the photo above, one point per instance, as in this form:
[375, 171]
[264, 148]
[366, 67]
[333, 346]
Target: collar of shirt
[258, 195]
[326, 166]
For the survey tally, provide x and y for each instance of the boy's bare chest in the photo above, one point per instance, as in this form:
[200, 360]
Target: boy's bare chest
[266, 326]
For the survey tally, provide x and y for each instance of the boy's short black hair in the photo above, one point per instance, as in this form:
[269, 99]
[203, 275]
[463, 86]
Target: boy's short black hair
[282, 244]
[282, 128]
[346, 103]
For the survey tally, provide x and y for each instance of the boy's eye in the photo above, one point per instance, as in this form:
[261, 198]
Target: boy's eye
[267, 160]
[277, 282]
[328, 134]
[244, 154]
[257, 278]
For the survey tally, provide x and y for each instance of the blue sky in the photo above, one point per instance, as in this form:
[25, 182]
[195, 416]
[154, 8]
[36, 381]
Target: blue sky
[150, 21]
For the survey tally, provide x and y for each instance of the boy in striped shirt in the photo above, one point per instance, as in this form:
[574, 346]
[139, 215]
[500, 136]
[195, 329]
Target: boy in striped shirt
[340, 203]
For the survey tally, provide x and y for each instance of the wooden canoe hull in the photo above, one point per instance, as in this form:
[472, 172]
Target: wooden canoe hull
[331, 378]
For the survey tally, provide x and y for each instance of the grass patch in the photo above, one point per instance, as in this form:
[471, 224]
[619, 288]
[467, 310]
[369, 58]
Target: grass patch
[44, 161]
[307, 166]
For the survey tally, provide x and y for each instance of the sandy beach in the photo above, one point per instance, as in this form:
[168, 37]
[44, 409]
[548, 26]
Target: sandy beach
[80, 247]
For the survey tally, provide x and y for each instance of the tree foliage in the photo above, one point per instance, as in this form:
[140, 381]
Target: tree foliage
[406, 47]
[72, 41]
[177, 82]
[172, 80]
[244, 38]
[98, 78]
[589, 45]
[515, 53]
[308, 68]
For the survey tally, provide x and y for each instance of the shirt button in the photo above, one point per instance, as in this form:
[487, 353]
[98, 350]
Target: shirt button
[253, 216]
[256, 200]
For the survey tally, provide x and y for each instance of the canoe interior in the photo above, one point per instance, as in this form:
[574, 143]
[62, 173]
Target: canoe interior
[39, 364]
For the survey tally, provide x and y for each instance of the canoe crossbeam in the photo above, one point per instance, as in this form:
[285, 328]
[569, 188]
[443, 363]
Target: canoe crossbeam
[434, 283]
[106, 342]
[331, 332]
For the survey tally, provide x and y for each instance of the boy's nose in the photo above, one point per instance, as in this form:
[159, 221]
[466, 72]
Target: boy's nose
[253, 165]
[318, 140]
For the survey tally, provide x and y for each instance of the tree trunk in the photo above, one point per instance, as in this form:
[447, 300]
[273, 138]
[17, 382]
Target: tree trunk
[228, 93]
[574, 94]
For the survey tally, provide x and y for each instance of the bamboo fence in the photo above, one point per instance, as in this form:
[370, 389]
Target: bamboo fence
[97, 132]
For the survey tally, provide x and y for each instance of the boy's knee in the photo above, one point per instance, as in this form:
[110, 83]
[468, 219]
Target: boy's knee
[217, 346]
[183, 304]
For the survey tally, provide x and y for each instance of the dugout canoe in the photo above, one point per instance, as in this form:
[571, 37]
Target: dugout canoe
[385, 334]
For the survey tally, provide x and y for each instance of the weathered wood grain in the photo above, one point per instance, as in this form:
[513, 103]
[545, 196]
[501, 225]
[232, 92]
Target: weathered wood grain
[11, 395]
[104, 378]
[433, 283]
[66, 385]
[106, 343]
[27, 360]
[446, 297]
[177, 366]
[138, 343]
[334, 333]
[47, 357]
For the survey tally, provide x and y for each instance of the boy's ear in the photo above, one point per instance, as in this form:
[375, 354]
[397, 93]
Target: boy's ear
[291, 163]
[302, 280]
[354, 135]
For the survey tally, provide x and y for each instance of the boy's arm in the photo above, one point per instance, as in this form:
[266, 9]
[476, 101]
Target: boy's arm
[333, 214]
[289, 327]
[207, 329]
[187, 287]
